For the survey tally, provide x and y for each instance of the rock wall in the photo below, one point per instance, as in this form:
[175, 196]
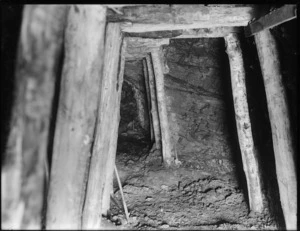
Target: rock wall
[197, 110]
[196, 105]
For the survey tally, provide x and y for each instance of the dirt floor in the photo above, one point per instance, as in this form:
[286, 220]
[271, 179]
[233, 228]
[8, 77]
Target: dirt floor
[183, 197]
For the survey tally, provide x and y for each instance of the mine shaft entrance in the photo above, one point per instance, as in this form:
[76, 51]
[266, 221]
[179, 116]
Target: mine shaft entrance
[202, 125]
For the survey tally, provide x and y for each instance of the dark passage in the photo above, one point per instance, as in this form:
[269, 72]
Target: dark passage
[134, 133]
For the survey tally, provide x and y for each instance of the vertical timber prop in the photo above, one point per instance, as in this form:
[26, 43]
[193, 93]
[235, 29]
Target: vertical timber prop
[168, 156]
[23, 170]
[113, 148]
[147, 86]
[153, 99]
[243, 124]
[280, 126]
[76, 118]
[102, 164]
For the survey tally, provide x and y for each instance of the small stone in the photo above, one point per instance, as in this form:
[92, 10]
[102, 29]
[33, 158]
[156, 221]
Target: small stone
[134, 218]
[164, 226]
[164, 187]
[149, 198]
[118, 222]
[114, 218]
[124, 221]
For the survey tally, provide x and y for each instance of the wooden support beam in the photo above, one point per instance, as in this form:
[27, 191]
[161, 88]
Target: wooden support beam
[122, 5]
[108, 189]
[167, 152]
[153, 98]
[215, 32]
[141, 110]
[148, 94]
[138, 48]
[76, 117]
[105, 145]
[280, 126]
[23, 168]
[243, 124]
[178, 17]
[274, 18]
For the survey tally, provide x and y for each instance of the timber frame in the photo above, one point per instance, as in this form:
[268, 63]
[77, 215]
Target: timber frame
[129, 31]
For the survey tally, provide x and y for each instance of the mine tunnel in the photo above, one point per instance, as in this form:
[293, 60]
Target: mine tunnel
[115, 118]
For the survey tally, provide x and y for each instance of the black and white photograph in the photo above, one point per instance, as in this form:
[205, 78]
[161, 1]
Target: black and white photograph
[149, 116]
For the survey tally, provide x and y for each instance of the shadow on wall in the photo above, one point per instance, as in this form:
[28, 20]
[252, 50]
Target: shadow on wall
[11, 16]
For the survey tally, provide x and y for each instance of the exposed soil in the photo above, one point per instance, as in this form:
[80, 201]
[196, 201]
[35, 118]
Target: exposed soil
[182, 197]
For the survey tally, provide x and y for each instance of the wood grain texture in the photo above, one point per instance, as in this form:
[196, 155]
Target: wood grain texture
[138, 48]
[243, 124]
[105, 145]
[23, 171]
[177, 17]
[154, 106]
[167, 149]
[215, 32]
[280, 126]
[77, 110]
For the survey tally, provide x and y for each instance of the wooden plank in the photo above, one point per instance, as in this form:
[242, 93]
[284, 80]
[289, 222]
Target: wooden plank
[138, 48]
[105, 145]
[280, 126]
[243, 124]
[178, 17]
[215, 32]
[148, 94]
[154, 109]
[167, 152]
[274, 18]
[23, 168]
[108, 189]
[76, 117]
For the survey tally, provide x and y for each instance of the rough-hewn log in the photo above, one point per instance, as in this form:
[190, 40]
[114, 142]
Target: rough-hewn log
[140, 47]
[215, 32]
[108, 189]
[272, 19]
[105, 145]
[177, 17]
[153, 98]
[23, 170]
[243, 124]
[76, 117]
[167, 152]
[280, 126]
[147, 87]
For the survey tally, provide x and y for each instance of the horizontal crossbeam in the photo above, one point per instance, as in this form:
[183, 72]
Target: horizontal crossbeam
[275, 18]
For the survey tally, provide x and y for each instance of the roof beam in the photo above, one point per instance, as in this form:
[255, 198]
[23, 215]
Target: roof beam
[138, 48]
[216, 32]
[178, 17]
[274, 18]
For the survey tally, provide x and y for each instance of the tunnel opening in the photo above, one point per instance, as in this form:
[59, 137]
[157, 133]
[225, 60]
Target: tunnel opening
[134, 129]
[201, 114]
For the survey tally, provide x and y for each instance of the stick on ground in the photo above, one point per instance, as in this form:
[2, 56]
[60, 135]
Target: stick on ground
[121, 190]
